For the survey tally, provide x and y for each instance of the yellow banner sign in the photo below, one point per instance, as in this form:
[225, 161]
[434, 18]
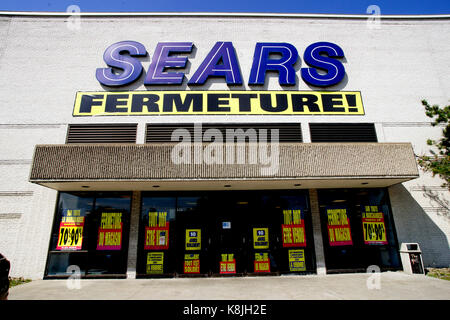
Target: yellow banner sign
[261, 238]
[191, 263]
[110, 231]
[228, 264]
[157, 231]
[70, 235]
[374, 227]
[293, 228]
[262, 262]
[297, 260]
[193, 239]
[338, 226]
[155, 263]
[156, 238]
[120, 103]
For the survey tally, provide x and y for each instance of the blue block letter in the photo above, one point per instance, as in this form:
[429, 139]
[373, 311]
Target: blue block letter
[114, 57]
[221, 61]
[335, 70]
[262, 63]
[162, 59]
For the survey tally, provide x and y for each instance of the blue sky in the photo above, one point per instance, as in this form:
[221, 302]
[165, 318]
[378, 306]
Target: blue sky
[284, 6]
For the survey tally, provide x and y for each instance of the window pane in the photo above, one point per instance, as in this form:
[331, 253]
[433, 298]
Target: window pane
[90, 231]
[369, 236]
[156, 237]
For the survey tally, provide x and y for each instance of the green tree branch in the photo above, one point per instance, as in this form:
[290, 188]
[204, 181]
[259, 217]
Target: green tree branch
[439, 161]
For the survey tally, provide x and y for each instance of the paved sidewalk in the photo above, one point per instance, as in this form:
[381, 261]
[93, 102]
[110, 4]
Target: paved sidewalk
[393, 285]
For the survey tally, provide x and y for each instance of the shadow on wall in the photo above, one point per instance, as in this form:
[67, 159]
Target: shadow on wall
[443, 206]
[413, 224]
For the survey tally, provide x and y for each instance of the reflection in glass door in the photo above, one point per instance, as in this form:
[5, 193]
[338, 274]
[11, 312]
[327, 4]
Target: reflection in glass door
[192, 232]
[228, 240]
[90, 235]
[230, 233]
[358, 230]
[156, 257]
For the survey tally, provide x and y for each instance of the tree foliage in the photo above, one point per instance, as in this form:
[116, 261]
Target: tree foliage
[439, 160]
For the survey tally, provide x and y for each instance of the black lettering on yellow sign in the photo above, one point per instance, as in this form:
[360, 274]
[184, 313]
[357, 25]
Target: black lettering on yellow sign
[374, 227]
[374, 231]
[218, 102]
[70, 237]
[193, 239]
[297, 260]
[155, 263]
[261, 238]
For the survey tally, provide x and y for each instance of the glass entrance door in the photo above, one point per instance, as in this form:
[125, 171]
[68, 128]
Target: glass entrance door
[358, 230]
[193, 236]
[229, 238]
[226, 233]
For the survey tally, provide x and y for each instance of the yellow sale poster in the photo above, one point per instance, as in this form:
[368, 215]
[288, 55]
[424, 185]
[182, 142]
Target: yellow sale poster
[157, 232]
[293, 229]
[155, 263]
[70, 235]
[110, 231]
[261, 238]
[193, 239]
[338, 226]
[228, 264]
[297, 260]
[262, 262]
[191, 263]
[373, 225]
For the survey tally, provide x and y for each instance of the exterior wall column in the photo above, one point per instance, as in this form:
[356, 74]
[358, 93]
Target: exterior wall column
[133, 238]
[317, 232]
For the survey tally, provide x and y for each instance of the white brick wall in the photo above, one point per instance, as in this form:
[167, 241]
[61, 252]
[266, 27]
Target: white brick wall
[43, 64]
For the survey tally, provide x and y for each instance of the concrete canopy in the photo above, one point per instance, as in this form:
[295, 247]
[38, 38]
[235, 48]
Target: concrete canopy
[151, 167]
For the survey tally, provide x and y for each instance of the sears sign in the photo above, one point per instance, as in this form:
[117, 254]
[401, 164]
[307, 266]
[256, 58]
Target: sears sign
[222, 62]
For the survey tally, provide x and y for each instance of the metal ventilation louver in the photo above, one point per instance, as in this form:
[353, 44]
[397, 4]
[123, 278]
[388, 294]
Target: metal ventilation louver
[102, 133]
[343, 132]
[288, 132]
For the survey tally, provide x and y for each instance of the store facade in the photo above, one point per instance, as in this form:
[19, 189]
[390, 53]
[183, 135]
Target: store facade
[185, 145]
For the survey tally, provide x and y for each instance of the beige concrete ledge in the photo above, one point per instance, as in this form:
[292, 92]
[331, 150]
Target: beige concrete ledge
[58, 165]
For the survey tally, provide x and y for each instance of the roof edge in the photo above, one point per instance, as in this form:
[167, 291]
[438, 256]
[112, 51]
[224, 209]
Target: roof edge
[240, 179]
[219, 14]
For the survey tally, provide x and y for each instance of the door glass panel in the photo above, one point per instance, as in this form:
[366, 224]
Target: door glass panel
[109, 232]
[156, 237]
[227, 233]
[357, 229]
[90, 234]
